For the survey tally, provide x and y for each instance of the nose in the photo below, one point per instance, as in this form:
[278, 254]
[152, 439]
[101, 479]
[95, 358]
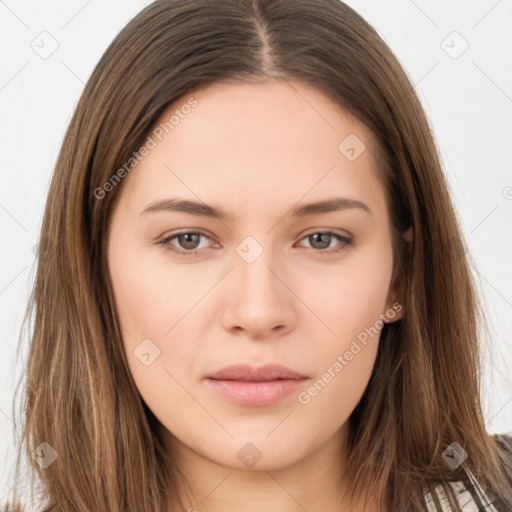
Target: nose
[261, 302]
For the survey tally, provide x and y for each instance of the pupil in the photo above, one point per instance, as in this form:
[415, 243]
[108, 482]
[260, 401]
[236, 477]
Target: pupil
[187, 241]
[324, 244]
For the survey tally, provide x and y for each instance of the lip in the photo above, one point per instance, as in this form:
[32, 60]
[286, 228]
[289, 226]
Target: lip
[247, 372]
[252, 386]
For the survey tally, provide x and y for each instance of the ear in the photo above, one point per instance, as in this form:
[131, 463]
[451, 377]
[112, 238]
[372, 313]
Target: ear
[408, 236]
[395, 307]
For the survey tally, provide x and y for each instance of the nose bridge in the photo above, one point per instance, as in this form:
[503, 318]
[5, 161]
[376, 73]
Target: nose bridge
[260, 301]
[256, 269]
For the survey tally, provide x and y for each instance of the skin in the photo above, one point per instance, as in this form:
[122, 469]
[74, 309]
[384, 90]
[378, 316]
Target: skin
[256, 151]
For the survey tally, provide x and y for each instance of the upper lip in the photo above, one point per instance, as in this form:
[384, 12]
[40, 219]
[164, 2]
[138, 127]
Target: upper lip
[246, 372]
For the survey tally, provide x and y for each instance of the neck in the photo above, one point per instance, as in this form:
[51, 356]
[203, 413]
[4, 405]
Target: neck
[312, 483]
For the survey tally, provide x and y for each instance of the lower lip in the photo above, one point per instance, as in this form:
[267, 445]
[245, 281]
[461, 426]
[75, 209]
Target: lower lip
[255, 394]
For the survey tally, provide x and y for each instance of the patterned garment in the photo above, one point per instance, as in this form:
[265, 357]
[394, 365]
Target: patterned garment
[471, 496]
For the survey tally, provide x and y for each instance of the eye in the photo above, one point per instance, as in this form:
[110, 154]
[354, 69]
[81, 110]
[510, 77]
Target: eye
[321, 240]
[188, 240]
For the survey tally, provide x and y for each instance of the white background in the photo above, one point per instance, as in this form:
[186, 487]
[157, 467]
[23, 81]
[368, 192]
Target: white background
[468, 101]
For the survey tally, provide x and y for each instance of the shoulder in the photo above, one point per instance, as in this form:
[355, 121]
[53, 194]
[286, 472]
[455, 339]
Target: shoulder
[504, 441]
[471, 494]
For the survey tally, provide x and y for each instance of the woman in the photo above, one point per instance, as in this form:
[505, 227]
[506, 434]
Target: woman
[318, 350]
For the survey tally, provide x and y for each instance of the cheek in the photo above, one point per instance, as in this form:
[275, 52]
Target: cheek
[151, 305]
[350, 298]
[350, 304]
[344, 361]
[152, 302]
[151, 297]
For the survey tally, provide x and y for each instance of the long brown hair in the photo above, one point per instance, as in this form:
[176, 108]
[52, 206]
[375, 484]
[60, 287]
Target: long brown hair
[80, 397]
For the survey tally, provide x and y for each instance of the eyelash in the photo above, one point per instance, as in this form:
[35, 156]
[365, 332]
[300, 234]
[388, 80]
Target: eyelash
[166, 242]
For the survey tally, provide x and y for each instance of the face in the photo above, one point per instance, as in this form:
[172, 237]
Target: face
[270, 281]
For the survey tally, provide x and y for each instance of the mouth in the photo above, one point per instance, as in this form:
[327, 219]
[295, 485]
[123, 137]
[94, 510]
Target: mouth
[254, 393]
[255, 387]
[265, 373]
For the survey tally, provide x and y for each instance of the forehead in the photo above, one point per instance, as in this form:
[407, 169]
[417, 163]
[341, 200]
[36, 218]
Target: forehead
[268, 142]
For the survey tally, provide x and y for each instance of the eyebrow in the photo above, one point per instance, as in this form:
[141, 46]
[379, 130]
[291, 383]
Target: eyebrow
[204, 210]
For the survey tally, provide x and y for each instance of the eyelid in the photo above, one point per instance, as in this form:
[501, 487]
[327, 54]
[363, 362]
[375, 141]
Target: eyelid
[333, 231]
